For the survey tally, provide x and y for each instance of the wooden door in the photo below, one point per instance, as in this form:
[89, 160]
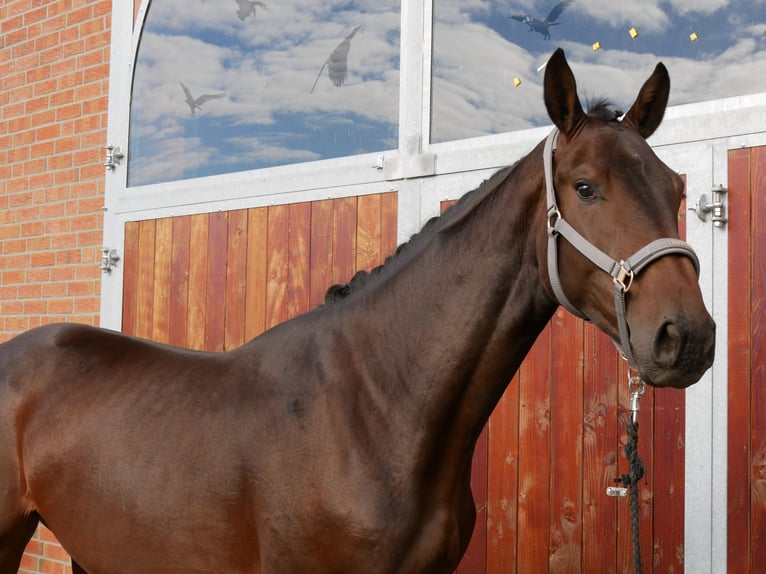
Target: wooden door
[746, 520]
[216, 280]
[552, 446]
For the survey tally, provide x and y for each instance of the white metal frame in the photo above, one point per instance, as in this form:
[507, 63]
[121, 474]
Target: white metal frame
[694, 139]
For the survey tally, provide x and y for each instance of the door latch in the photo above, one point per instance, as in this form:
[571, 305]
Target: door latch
[715, 206]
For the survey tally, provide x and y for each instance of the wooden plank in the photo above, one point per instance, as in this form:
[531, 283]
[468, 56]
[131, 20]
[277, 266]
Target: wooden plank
[669, 478]
[257, 256]
[502, 483]
[179, 280]
[215, 309]
[600, 391]
[299, 258]
[758, 360]
[197, 300]
[739, 360]
[162, 273]
[236, 280]
[277, 265]
[565, 520]
[534, 456]
[368, 232]
[146, 243]
[321, 251]
[389, 211]
[130, 278]
[344, 234]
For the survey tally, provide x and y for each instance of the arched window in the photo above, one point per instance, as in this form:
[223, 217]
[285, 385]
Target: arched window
[223, 86]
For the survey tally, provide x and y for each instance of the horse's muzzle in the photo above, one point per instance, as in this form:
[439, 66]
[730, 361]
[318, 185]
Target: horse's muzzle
[682, 351]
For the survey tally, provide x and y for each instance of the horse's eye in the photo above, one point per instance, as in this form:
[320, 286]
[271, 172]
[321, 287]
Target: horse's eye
[585, 191]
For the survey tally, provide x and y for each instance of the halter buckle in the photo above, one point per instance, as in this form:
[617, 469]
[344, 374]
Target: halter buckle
[554, 215]
[622, 275]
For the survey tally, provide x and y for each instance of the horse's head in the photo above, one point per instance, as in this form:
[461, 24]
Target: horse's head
[614, 197]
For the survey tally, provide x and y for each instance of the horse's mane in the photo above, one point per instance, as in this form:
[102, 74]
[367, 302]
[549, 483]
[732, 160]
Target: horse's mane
[599, 108]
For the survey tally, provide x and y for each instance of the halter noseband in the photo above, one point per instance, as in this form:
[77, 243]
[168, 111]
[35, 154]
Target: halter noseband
[623, 273]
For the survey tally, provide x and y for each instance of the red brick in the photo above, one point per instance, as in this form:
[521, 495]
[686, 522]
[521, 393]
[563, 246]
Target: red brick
[48, 132]
[41, 180]
[55, 551]
[66, 176]
[69, 112]
[35, 308]
[41, 259]
[29, 291]
[35, 15]
[18, 324]
[57, 289]
[62, 97]
[40, 275]
[60, 306]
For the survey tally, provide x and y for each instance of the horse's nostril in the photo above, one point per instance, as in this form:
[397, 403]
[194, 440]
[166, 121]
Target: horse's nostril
[667, 345]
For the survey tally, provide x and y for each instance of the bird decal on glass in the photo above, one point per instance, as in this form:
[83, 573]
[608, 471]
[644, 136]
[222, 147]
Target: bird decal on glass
[337, 63]
[543, 26]
[247, 8]
[196, 103]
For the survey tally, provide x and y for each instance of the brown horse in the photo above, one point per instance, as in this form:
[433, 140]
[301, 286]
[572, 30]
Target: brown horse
[341, 440]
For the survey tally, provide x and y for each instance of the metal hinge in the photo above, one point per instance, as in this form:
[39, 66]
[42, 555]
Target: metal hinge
[716, 206]
[109, 259]
[113, 156]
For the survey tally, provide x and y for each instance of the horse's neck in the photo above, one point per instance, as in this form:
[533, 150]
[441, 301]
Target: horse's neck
[453, 323]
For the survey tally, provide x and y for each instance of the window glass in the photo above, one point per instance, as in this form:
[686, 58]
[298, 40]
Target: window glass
[229, 85]
[489, 56]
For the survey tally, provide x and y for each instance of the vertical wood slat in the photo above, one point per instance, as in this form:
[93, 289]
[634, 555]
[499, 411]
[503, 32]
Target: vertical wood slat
[758, 361]
[299, 259]
[145, 272]
[565, 518]
[130, 278]
[278, 262]
[534, 457]
[218, 237]
[502, 483]
[236, 280]
[257, 268]
[600, 391]
[321, 251]
[344, 234]
[162, 273]
[739, 361]
[197, 296]
[179, 280]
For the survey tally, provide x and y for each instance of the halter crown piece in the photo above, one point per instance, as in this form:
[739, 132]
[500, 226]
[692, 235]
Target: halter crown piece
[623, 272]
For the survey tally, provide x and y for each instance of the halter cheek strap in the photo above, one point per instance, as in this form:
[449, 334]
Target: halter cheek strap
[623, 273]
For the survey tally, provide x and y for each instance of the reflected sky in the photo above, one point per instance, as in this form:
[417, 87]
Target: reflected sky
[486, 76]
[230, 85]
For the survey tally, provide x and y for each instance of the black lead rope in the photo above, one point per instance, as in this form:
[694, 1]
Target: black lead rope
[630, 480]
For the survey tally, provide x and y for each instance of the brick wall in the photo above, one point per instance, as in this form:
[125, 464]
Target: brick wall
[54, 69]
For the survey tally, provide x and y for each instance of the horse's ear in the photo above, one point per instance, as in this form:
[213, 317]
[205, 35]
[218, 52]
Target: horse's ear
[646, 113]
[560, 93]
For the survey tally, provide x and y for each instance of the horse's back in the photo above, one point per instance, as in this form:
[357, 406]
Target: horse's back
[93, 421]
